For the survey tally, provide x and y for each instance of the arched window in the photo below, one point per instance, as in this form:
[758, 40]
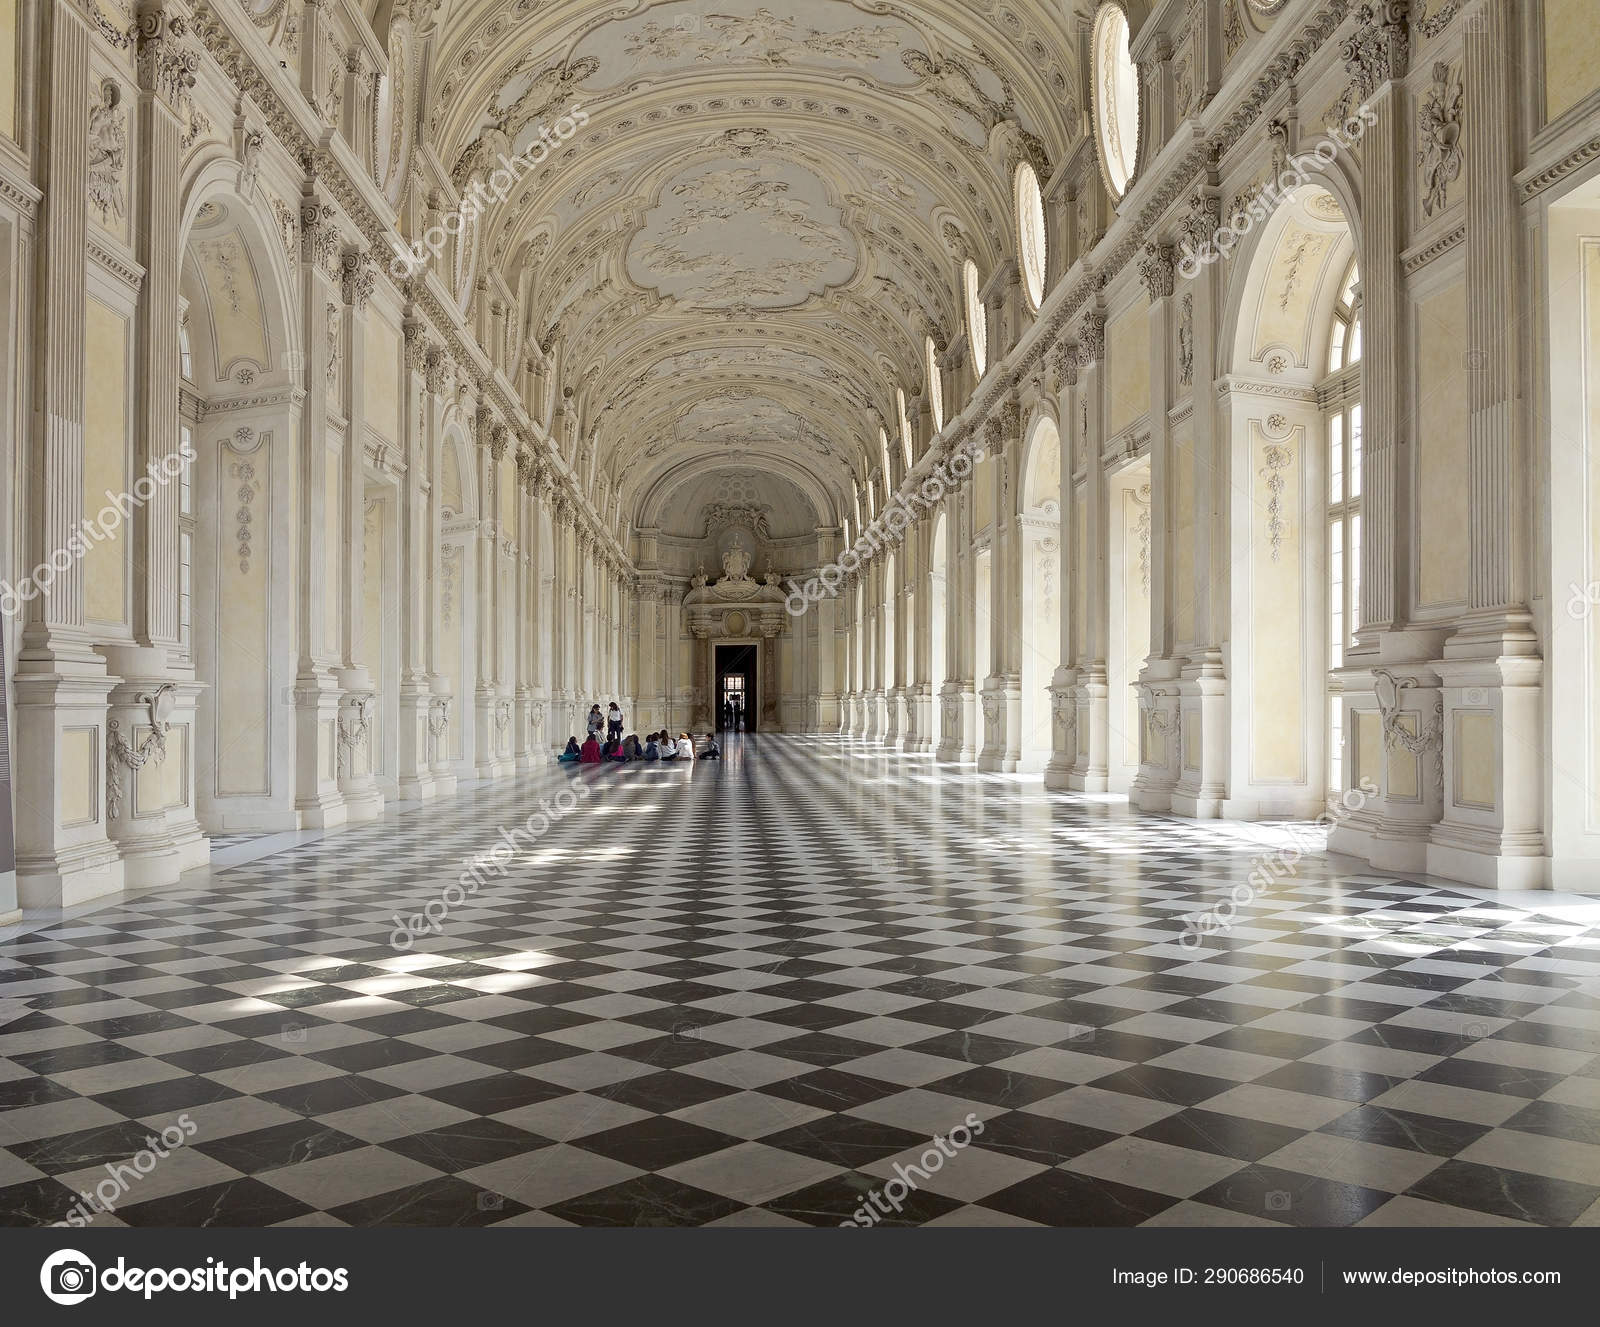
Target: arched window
[1344, 344]
[905, 424]
[935, 384]
[977, 318]
[1030, 233]
[1340, 393]
[1116, 99]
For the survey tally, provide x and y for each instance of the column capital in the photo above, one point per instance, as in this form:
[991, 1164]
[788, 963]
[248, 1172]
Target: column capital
[1379, 49]
[1156, 269]
[165, 65]
[357, 276]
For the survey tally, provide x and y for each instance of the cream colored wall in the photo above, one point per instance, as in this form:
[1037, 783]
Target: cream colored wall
[383, 404]
[983, 495]
[1182, 472]
[1367, 748]
[1589, 558]
[1080, 577]
[8, 68]
[163, 786]
[105, 462]
[243, 687]
[333, 551]
[1474, 759]
[450, 494]
[1135, 631]
[78, 778]
[506, 483]
[1571, 54]
[1277, 612]
[1128, 366]
[1443, 475]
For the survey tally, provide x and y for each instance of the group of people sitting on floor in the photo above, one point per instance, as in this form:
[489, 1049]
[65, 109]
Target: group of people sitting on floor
[656, 746]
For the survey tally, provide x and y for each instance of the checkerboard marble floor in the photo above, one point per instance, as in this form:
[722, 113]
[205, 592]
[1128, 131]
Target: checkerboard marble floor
[743, 993]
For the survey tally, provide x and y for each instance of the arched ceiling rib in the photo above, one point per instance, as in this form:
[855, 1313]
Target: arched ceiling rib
[741, 250]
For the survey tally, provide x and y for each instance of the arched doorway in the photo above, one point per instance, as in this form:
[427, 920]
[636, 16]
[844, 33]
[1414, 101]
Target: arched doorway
[1291, 418]
[239, 521]
[1040, 566]
[938, 621]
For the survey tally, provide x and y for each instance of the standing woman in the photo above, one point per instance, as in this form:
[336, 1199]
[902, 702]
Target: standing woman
[597, 722]
[614, 721]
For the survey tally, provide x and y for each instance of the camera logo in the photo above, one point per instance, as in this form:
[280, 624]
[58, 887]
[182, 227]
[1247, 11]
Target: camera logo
[67, 1277]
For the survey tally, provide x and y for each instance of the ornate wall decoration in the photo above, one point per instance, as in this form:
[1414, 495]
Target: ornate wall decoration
[122, 754]
[1278, 458]
[288, 226]
[1380, 47]
[451, 565]
[1141, 499]
[1186, 341]
[335, 351]
[1232, 29]
[244, 472]
[224, 257]
[250, 145]
[108, 151]
[1431, 25]
[438, 726]
[355, 721]
[1429, 739]
[1439, 132]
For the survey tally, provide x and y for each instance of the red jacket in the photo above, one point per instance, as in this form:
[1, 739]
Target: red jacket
[589, 753]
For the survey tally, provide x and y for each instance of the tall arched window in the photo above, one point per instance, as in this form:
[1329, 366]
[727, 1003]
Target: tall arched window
[883, 457]
[1340, 394]
[935, 384]
[905, 423]
[1116, 99]
[1030, 233]
[977, 318]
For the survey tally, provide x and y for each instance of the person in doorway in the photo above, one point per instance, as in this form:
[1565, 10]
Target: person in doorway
[597, 722]
[589, 753]
[614, 721]
[712, 751]
[727, 712]
[572, 754]
[738, 714]
[685, 747]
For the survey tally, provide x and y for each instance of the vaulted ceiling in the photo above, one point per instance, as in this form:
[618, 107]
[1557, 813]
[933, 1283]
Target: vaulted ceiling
[737, 257]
